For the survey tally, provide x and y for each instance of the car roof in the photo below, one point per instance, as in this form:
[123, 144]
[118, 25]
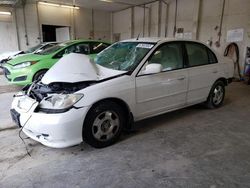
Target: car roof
[49, 42]
[86, 40]
[159, 40]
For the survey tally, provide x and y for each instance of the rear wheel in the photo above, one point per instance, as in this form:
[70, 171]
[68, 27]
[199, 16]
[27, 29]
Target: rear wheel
[216, 96]
[39, 75]
[103, 124]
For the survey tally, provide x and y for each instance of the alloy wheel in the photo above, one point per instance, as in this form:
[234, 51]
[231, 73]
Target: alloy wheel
[105, 126]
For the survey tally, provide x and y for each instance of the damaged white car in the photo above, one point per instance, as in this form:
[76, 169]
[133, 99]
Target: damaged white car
[78, 100]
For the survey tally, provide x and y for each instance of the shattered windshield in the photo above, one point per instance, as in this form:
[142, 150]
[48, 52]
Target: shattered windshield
[123, 56]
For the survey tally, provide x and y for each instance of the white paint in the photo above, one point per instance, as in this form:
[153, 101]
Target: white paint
[82, 69]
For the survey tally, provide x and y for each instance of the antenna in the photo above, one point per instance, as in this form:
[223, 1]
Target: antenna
[138, 36]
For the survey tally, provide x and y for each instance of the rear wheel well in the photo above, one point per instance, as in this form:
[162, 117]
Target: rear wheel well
[224, 80]
[128, 115]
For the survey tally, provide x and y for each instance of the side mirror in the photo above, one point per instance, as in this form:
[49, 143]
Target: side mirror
[152, 68]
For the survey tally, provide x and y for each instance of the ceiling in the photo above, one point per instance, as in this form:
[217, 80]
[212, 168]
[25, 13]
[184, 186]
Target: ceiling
[113, 5]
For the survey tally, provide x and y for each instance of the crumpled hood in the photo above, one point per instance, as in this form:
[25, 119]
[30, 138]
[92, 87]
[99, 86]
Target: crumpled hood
[77, 68]
[25, 58]
[6, 55]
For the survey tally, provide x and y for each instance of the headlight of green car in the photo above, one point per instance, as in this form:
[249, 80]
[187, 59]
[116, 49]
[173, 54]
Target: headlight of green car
[24, 64]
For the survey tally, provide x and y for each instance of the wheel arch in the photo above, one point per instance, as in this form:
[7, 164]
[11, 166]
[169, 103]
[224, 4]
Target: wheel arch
[123, 105]
[40, 70]
[223, 79]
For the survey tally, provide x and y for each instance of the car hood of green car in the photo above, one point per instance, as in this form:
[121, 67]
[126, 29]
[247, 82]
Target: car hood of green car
[27, 58]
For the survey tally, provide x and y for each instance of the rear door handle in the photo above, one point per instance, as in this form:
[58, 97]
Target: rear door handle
[181, 78]
[215, 71]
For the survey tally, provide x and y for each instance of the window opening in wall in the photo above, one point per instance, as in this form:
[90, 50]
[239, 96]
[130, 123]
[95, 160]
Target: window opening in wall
[55, 33]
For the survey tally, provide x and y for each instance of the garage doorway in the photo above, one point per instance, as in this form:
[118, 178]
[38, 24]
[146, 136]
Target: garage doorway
[55, 33]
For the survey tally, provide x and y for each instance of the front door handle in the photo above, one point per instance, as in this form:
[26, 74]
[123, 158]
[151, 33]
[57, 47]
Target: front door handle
[169, 81]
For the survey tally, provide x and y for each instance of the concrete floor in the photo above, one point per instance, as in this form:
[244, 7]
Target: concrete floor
[193, 147]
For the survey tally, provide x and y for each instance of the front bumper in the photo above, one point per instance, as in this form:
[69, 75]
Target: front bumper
[53, 130]
[18, 76]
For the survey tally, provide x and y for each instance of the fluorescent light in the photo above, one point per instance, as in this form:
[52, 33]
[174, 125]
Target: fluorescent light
[5, 13]
[57, 5]
[50, 4]
[108, 1]
[67, 6]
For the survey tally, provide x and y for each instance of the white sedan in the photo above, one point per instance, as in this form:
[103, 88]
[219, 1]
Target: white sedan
[78, 100]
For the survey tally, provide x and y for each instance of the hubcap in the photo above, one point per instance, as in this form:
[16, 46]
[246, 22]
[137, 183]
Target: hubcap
[218, 95]
[105, 126]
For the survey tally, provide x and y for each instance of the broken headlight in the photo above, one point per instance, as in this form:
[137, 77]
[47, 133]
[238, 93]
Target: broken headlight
[60, 101]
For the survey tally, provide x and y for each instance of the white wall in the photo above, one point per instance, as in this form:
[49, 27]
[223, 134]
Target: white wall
[122, 23]
[84, 26]
[102, 25]
[8, 39]
[32, 37]
[79, 21]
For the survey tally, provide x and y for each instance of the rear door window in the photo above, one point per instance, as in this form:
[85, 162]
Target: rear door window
[211, 57]
[197, 54]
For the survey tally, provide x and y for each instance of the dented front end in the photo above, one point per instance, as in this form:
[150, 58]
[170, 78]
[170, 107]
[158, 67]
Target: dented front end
[46, 113]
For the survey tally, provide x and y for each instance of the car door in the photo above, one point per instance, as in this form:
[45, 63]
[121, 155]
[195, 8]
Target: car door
[202, 71]
[166, 90]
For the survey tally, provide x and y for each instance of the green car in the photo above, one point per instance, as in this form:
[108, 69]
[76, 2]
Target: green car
[25, 69]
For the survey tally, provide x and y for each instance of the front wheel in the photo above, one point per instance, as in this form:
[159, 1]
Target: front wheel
[216, 96]
[103, 124]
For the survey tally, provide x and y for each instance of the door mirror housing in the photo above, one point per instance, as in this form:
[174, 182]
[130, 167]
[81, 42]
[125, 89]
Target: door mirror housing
[152, 69]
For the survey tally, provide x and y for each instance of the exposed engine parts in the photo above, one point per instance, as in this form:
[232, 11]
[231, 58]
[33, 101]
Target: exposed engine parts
[39, 90]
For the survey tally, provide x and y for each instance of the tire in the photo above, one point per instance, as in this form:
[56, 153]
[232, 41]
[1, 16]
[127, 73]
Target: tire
[103, 124]
[38, 76]
[216, 95]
